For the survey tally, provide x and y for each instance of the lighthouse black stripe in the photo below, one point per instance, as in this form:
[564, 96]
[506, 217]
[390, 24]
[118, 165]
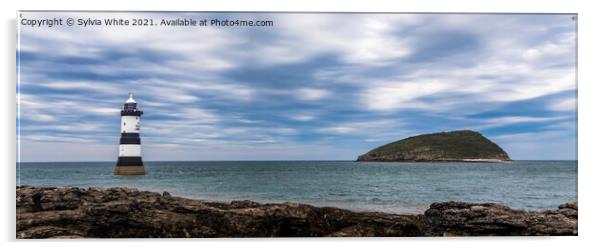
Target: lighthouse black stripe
[125, 161]
[129, 138]
[131, 112]
[130, 135]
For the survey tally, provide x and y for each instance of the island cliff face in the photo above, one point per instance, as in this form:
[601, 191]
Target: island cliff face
[462, 145]
[128, 213]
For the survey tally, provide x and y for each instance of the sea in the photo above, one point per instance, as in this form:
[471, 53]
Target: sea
[392, 187]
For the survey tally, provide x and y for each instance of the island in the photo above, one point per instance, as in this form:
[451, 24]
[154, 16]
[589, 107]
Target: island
[461, 145]
[72, 212]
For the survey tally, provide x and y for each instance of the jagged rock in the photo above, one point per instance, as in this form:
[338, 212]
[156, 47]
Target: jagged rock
[461, 218]
[129, 213]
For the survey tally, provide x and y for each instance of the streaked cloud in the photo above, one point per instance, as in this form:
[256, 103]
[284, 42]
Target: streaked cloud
[308, 94]
[303, 118]
[314, 86]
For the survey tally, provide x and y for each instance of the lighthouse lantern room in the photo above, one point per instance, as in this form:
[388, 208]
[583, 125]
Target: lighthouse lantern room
[130, 152]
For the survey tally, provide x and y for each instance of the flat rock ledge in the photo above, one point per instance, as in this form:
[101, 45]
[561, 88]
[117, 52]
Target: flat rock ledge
[129, 213]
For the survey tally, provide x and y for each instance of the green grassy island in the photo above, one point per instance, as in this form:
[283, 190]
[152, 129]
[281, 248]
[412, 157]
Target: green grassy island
[462, 145]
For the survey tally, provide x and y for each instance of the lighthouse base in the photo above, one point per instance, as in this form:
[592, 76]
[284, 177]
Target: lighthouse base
[129, 170]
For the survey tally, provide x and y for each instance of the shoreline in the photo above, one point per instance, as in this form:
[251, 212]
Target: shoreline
[49, 212]
[404, 209]
[444, 161]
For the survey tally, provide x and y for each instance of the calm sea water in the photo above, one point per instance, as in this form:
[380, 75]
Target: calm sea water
[362, 186]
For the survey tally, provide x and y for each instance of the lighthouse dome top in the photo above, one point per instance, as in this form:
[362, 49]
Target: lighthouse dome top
[130, 107]
[131, 99]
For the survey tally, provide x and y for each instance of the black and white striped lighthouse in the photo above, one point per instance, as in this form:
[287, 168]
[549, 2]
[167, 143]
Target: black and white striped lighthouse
[130, 152]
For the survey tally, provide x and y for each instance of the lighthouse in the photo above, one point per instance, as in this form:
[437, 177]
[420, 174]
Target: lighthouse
[130, 152]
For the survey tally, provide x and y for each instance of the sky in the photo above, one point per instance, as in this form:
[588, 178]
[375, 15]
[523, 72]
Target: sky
[311, 87]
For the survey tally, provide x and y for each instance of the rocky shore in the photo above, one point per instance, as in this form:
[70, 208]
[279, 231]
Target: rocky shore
[129, 213]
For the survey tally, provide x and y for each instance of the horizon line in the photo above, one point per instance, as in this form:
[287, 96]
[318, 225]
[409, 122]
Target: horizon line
[291, 160]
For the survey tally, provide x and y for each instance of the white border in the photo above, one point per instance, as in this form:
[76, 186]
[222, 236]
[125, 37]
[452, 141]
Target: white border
[589, 120]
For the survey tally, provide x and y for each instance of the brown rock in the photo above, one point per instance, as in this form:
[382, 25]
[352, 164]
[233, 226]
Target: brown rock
[461, 218]
[129, 213]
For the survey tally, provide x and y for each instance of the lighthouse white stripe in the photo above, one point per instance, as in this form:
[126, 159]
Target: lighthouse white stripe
[130, 124]
[130, 150]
